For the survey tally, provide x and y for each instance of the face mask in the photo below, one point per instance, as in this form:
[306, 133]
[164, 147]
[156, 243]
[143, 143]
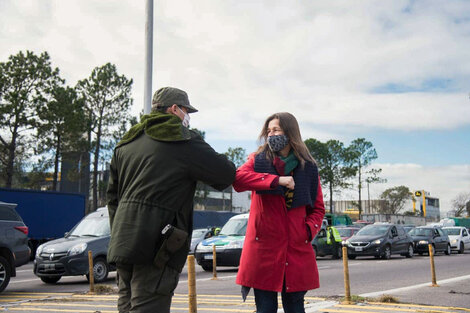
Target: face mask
[186, 118]
[278, 142]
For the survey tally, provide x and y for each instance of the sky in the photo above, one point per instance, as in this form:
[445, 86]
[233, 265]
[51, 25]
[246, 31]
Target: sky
[394, 72]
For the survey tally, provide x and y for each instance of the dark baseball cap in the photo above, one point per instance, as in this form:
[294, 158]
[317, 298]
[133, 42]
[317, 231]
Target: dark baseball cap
[167, 96]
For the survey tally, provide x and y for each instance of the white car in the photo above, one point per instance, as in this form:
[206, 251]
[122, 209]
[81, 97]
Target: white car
[459, 238]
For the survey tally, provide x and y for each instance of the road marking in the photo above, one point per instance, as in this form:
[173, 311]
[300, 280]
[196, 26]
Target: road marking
[205, 279]
[444, 281]
[38, 279]
[421, 306]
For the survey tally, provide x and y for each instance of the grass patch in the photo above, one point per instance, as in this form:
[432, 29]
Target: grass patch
[105, 289]
[388, 299]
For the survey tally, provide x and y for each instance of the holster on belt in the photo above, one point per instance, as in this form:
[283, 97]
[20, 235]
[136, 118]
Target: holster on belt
[174, 239]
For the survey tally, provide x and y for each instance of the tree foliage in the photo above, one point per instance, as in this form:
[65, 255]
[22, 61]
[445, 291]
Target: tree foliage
[394, 199]
[461, 204]
[26, 82]
[107, 97]
[236, 155]
[332, 161]
[61, 127]
[361, 154]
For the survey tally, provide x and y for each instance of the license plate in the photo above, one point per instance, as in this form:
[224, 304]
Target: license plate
[358, 248]
[208, 257]
[49, 266]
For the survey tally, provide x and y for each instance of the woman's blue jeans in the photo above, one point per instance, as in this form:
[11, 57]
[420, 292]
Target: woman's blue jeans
[292, 302]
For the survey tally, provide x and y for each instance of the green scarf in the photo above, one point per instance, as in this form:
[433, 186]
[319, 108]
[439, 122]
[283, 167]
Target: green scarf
[158, 126]
[290, 162]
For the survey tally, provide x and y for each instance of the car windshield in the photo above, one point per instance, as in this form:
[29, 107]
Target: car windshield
[235, 227]
[425, 232]
[345, 232]
[453, 231]
[198, 233]
[373, 230]
[92, 227]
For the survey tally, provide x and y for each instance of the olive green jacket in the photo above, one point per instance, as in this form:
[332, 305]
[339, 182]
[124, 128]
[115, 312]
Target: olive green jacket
[152, 182]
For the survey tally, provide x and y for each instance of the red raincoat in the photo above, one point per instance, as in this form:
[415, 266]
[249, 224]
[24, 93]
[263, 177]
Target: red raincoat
[276, 243]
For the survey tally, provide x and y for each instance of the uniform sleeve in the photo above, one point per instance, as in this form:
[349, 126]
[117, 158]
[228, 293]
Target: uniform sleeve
[247, 179]
[315, 215]
[210, 167]
[112, 191]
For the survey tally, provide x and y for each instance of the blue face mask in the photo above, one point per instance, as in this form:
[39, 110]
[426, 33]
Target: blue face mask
[278, 142]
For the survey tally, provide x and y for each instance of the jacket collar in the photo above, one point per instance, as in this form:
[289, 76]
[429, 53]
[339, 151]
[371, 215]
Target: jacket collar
[158, 126]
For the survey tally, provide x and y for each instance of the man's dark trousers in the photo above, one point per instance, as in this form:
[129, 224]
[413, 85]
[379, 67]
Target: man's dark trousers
[143, 288]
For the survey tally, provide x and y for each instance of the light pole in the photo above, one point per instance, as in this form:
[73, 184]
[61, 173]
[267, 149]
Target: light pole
[148, 56]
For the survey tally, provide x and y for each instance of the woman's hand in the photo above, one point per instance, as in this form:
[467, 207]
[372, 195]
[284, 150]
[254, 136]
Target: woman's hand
[287, 181]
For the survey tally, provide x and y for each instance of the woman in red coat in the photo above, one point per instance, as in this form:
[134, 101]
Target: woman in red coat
[286, 213]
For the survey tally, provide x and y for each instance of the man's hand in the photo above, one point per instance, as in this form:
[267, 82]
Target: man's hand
[287, 181]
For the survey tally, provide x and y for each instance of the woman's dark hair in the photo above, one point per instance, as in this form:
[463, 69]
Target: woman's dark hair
[290, 127]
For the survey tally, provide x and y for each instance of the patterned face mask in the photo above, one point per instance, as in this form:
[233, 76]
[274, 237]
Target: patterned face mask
[278, 142]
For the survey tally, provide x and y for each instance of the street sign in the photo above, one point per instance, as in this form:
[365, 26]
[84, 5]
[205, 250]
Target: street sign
[418, 193]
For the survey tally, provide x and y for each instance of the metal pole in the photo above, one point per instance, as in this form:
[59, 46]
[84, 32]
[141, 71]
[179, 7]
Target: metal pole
[347, 289]
[433, 268]
[192, 301]
[214, 263]
[148, 56]
[90, 273]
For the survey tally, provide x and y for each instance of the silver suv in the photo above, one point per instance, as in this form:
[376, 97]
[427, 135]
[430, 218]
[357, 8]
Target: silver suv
[14, 250]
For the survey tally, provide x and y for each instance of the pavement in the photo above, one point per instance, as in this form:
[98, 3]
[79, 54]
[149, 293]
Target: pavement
[418, 298]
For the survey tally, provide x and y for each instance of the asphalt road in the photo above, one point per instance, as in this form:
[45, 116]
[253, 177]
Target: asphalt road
[407, 279]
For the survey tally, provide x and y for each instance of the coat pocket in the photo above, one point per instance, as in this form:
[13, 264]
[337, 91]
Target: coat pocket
[168, 281]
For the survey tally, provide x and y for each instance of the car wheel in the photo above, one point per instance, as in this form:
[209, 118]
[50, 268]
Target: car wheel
[447, 252]
[462, 248]
[410, 251]
[5, 273]
[352, 257]
[339, 253]
[420, 253]
[50, 279]
[387, 253]
[315, 250]
[100, 270]
[207, 268]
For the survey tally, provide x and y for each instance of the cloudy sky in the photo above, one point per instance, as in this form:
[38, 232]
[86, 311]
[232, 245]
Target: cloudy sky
[394, 72]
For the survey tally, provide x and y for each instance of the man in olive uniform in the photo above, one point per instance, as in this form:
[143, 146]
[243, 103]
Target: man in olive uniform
[153, 177]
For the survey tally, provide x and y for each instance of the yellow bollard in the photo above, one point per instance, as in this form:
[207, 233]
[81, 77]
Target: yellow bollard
[214, 263]
[347, 289]
[192, 301]
[433, 268]
[90, 273]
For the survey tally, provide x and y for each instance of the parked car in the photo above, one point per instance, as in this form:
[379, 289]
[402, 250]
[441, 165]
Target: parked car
[228, 244]
[319, 244]
[14, 250]
[380, 240]
[68, 256]
[459, 238]
[199, 235]
[347, 231]
[361, 223]
[425, 235]
[408, 227]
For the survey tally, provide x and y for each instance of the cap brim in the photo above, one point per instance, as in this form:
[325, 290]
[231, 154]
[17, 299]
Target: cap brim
[190, 109]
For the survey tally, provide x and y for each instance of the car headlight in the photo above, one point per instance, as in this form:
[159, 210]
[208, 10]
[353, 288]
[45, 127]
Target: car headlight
[348, 243]
[423, 242]
[235, 245]
[202, 248]
[39, 250]
[377, 242]
[454, 241]
[77, 249]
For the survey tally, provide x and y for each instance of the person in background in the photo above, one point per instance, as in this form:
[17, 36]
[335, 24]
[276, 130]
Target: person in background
[153, 176]
[286, 213]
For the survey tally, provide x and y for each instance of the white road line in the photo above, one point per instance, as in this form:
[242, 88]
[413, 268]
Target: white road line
[396, 290]
[37, 279]
[210, 278]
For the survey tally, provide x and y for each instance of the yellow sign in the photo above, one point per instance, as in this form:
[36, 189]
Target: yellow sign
[418, 193]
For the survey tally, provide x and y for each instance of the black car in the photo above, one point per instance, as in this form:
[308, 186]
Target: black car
[380, 241]
[68, 256]
[14, 250]
[425, 235]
